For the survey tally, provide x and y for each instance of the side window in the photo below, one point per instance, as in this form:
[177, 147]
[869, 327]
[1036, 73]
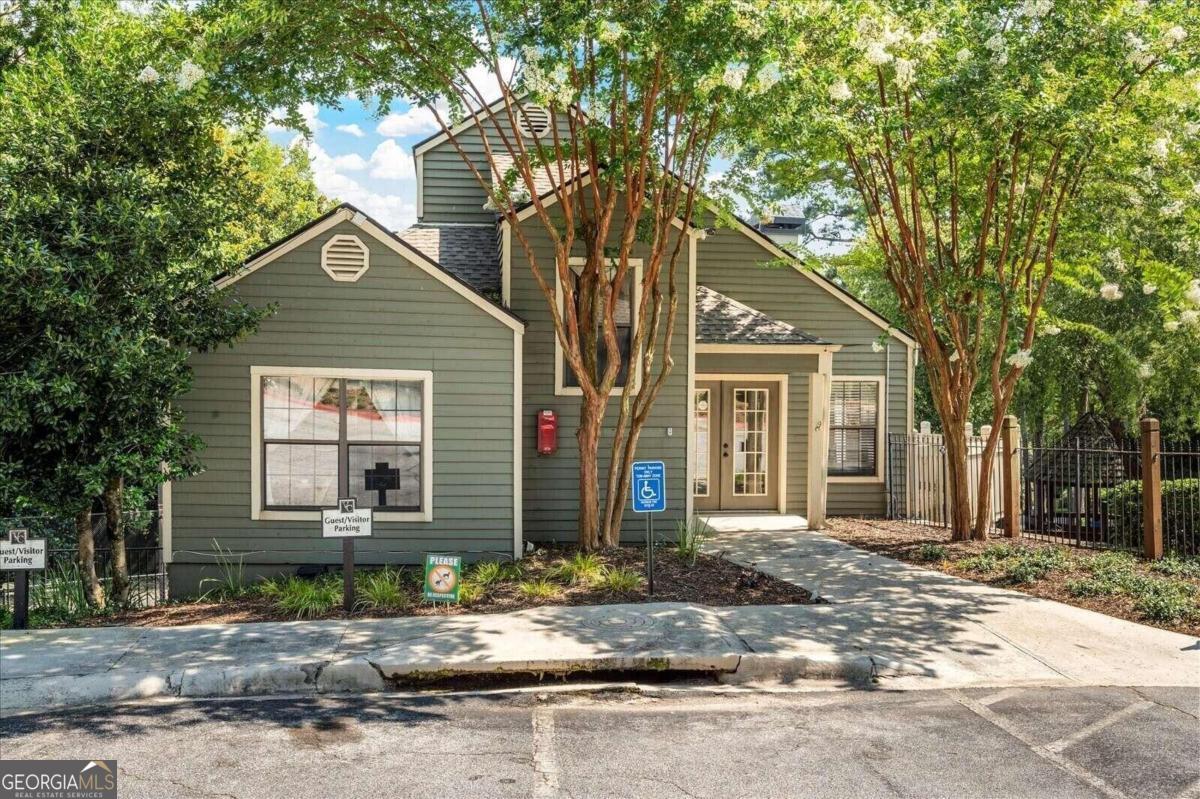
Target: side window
[854, 428]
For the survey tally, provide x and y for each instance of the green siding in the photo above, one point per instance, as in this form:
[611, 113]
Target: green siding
[551, 482]
[395, 317]
[733, 263]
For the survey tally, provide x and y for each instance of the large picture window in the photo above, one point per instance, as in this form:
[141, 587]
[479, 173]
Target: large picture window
[854, 421]
[566, 382]
[322, 436]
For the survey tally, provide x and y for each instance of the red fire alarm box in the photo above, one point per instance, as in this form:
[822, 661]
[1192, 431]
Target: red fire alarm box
[547, 432]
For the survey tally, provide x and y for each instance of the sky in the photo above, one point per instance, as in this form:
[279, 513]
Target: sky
[363, 159]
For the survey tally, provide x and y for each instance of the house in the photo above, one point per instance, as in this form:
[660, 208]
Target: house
[407, 369]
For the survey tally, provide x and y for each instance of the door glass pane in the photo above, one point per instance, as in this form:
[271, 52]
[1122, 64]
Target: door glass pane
[702, 412]
[750, 426]
[301, 475]
[386, 476]
[383, 410]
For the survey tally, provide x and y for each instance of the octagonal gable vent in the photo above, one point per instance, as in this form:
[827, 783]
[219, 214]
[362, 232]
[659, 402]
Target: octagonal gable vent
[533, 121]
[345, 258]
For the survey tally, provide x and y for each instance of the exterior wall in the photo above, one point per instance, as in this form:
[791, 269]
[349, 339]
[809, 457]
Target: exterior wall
[733, 263]
[395, 317]
[797, 368]
[449, 191]
[551, 495]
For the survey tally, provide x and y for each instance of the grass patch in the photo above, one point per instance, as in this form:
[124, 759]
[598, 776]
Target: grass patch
[690, 537]
[537, 589]
[1017, 565]
[582, 568]
[490, 572]
[232, 582]
[622, 581]
[305, 599]
[381, 590]
[932, 553]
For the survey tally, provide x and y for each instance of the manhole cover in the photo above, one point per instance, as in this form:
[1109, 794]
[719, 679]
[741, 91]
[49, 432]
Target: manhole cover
[624, 621]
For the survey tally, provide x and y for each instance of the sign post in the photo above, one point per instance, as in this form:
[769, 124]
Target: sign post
[649, 497]
[347, 522]
[20, 553]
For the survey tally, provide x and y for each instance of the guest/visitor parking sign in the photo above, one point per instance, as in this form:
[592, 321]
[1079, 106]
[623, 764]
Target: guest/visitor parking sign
[649, 487]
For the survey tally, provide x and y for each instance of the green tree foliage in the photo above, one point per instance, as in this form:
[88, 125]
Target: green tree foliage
[970, 132]
[122, 198]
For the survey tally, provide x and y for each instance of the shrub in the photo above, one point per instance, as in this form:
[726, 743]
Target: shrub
[489, 572]
[308, 598]
[582, 568]
[622, 581]
[380, 590]
[1018, 565]
[537, 589]
[1176, 566]
[232, 582]
[59, 595]
[690, 537]
[1167, 601]
[1122, 506]
[932, 553]
[470, 592]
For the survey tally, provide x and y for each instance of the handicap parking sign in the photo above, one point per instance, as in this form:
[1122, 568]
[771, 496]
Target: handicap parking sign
[649, 487]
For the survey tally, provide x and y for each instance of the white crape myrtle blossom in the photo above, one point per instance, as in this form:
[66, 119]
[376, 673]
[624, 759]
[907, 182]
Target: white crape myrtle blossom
[905, 73]
[1196, 188]
[877, 54]
[1193, 293]
[148, 75]
[1173, 209]
[996, 43]
[1020, 359]
[1111, 292]
[611, 32]
[1161, 148]
[1189, 317]
[190, 73]
[1051, 330]
[1171, 325]
[768, 76]
[1149, 288]
[929, 37]
[963, 56]
[1145, 371]
[1117, 260]
[839, 90]
[735, 76]
[1035, 9]
[876, 346]
[1174, 35]
[1139, 52]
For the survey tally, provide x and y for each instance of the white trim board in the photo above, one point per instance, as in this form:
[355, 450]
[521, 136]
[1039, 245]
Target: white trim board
[368, 225]
[881, 419]
[518, 441]
[560, 368]
[258, 513]
[767, 349]
[689, 449]
[784, 413]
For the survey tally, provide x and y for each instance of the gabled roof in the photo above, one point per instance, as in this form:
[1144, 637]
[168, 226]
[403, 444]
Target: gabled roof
[724, 320]
[345, 212]
[470, 252]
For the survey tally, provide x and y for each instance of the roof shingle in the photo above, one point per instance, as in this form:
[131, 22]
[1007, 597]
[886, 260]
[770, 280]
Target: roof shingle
[724, 320]
[469, 252]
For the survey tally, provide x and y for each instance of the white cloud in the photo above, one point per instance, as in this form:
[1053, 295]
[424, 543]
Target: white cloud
[414, 121]
[391, 162]
[393, 210]
[353, 130]
[351, 162]
[307, 111]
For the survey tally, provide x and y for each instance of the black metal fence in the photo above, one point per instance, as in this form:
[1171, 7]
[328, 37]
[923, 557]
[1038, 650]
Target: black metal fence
[58, 589]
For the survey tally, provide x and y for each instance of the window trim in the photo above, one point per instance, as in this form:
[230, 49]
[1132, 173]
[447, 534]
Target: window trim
[708, 467]
[561, 390]
[257, 510]
[880, 428]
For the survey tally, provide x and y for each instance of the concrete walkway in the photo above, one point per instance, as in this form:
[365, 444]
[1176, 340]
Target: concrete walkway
[55, 668]
[937, 630]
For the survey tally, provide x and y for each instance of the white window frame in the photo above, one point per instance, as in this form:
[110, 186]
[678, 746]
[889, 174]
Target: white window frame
[880, 427]
[708, 478]
[561, 390]
[257, 373]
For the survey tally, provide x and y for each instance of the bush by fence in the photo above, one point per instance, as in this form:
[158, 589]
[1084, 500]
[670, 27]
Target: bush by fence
[1180, 514]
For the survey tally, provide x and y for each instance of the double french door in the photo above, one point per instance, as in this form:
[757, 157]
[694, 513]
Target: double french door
[736, 447]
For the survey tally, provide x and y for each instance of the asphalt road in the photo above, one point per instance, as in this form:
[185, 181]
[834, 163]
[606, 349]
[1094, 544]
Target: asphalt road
[1027, 742]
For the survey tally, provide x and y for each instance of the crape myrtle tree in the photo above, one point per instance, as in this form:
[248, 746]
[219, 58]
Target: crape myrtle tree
[637, 91]
[969, 132]
[122, 197]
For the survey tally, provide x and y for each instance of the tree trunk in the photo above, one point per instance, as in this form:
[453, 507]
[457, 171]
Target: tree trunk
[959, 473]
[983, 520]
[114, 495]
[588, 437]
[87, 559]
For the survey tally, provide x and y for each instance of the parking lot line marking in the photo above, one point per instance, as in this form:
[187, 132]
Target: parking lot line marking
[1095, 727]
[545, 760]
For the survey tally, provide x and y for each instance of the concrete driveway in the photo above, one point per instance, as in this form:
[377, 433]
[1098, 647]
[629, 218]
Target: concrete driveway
[941, 630]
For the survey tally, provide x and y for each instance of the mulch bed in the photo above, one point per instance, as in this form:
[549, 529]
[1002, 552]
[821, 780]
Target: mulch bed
[711, 581]
[903, 541]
